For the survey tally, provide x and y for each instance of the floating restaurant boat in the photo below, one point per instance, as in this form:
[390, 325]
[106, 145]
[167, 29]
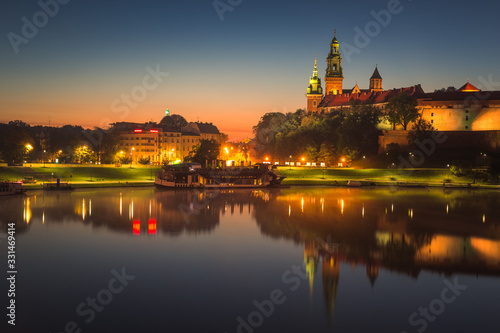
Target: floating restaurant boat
[192, 176]
[11, 188]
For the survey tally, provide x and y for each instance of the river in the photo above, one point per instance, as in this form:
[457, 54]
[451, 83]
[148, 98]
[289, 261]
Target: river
[285, 260]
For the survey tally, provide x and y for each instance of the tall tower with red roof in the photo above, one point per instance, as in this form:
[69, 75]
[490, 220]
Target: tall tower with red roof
[334, 76]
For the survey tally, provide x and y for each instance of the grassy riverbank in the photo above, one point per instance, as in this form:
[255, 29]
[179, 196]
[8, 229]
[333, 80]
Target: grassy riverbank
[142, 176]
[340, 176]
[83, 176]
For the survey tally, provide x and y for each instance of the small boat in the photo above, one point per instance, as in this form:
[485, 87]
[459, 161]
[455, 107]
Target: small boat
[189, 176]
[57, 186]
[29, 180]
[354, 183]
[11, 188]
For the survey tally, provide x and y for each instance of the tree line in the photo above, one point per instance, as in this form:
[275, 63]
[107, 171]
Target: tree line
[323, 137]
[21, 142]
[348, 133]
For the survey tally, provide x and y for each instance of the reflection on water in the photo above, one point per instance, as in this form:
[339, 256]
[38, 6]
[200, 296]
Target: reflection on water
[406, 232]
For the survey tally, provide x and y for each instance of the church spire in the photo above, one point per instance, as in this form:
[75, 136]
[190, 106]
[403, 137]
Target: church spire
[314, 90]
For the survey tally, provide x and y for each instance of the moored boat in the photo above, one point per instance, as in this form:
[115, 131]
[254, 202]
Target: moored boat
[58, 186]
[11, 188]
[187, 176]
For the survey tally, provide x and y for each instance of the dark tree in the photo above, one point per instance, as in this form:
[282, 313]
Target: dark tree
[421, 131]
[402, 110]
[358, 134]
[265, 132]
[144, 160]
[14, 140]
[327, 153]
[204, 153]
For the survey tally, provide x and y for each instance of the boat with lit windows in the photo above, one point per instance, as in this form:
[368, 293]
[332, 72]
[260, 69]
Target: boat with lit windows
[11, 188]
[191, 175]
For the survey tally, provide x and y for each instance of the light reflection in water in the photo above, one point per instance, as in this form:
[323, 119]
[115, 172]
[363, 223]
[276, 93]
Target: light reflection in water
[152, 226]
[27, 210]
[419, 236]
[83, 209]
[136, 227]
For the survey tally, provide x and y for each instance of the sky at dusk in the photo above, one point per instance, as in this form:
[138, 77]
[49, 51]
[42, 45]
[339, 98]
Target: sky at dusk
[258, 58]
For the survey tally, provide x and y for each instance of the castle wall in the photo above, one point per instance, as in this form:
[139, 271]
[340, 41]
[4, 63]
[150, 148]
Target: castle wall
[487, 140]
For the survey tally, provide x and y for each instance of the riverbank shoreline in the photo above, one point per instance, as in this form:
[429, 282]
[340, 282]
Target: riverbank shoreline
[99, 177]
[290, 184]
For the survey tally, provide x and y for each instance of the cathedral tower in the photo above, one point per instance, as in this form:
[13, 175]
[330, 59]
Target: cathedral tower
[376, 81]
[314, 91]
[334, 76]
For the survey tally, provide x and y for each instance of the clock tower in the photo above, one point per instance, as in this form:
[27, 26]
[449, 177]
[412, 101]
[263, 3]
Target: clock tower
[334, 76]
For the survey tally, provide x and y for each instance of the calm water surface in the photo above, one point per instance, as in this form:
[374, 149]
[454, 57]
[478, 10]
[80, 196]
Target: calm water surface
[295, 260]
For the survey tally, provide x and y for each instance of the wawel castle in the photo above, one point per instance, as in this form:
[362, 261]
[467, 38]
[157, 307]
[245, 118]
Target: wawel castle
[471, 116]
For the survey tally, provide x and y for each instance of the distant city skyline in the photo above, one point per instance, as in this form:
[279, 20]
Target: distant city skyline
[92, 63]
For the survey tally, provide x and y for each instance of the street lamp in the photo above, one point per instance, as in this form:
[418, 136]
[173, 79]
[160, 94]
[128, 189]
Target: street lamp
[43, 157]
[290, 162]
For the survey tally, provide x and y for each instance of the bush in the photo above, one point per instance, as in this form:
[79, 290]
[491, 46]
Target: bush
[494, 169]
[144, 160]
[461, 168]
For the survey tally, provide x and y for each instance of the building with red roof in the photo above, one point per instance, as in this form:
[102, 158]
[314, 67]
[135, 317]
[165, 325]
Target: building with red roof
[467, 109]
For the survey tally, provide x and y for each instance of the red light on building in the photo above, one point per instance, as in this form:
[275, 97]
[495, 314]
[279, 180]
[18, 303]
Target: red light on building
[137, 227]
[154, 131]
[152, 226]
[137, 131]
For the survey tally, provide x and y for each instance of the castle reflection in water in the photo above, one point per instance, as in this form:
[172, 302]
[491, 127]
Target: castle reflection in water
[404, 231]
